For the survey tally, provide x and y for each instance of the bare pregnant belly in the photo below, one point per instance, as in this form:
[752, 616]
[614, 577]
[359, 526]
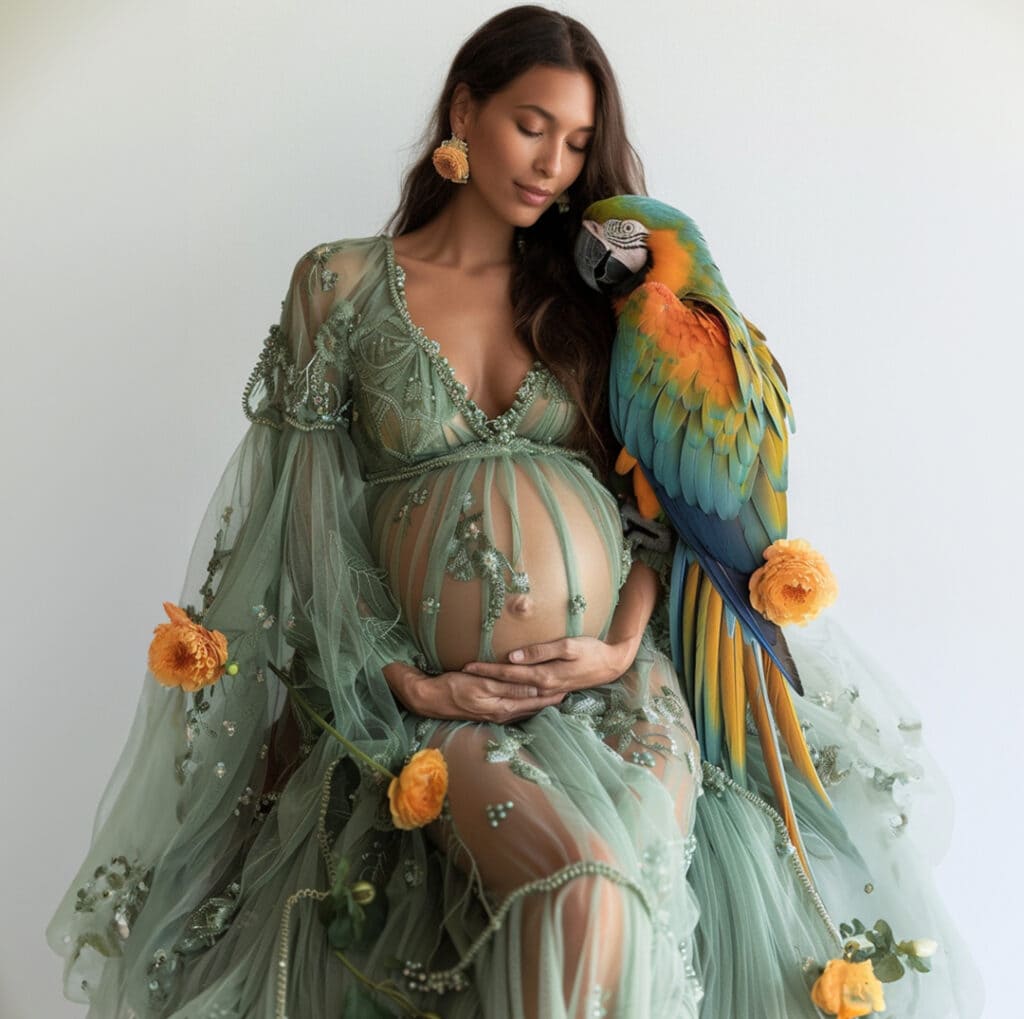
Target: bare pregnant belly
[493, 559]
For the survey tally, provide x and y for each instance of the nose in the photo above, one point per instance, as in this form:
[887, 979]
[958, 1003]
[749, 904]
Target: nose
[549, 161]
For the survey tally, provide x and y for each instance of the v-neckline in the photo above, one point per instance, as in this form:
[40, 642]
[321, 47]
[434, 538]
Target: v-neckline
[456, 389]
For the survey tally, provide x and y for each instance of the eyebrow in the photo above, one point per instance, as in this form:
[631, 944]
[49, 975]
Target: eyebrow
[547, 115]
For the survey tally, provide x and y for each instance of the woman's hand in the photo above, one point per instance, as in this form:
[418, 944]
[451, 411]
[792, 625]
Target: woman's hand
[558, 667]
[460, 695]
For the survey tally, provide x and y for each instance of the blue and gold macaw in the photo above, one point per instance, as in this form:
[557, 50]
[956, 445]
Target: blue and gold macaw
[700, 407]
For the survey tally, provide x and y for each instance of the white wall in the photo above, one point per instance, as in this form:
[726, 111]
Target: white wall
[856, 169]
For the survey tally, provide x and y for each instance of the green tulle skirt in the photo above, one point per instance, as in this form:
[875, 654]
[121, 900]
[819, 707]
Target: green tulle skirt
[587, 863]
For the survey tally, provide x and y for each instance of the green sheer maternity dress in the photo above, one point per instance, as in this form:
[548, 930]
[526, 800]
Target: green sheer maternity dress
[587, 862]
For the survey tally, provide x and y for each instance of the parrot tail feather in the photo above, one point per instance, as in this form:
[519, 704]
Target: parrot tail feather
[722, 670]
[757, 694]
[789, 726]
[734, 587]
[734, 701]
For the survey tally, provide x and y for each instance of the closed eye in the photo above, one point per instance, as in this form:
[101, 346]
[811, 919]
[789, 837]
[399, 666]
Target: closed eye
[537, 134]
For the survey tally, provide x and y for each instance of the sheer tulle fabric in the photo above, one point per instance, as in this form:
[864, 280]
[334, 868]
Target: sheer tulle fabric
[579, 847]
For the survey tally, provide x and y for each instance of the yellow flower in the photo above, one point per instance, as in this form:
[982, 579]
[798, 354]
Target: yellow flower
[185, 654]
[417, 794]
[794, 584]
[848, 989]
[451, 162]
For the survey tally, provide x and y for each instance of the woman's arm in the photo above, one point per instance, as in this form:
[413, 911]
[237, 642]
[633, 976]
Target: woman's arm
[637, 600]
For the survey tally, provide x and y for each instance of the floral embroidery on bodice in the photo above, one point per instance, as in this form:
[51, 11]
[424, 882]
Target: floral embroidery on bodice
[465, 508]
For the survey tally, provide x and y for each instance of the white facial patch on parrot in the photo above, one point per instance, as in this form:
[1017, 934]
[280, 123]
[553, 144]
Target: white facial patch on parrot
[627, 239]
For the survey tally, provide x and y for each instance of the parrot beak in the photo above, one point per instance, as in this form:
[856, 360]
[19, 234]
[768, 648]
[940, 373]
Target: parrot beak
[600, 269]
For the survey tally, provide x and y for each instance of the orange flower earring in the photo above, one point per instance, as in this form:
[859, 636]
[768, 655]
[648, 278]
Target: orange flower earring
[451, 159]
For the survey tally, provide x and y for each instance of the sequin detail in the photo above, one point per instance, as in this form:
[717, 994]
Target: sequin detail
[117, 890]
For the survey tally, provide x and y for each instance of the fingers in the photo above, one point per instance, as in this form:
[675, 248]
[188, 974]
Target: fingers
[483, 699]
[507, 689]
[504, 678]
[477, 697]
[546, 652]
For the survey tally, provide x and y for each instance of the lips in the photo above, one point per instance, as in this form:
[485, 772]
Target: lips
[532, 197]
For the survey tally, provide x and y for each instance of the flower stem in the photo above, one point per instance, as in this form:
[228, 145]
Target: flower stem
[325, 725]
[399, 999]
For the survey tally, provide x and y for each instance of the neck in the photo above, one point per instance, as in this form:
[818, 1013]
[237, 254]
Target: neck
[465, 235]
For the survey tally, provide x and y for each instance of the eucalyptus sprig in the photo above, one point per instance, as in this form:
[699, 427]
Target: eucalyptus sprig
[889, 958]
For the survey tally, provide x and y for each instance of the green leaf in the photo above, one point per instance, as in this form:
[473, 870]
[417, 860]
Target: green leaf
[858, 927]
[921, 965]
[340, 875]
[888, 968]
[342, 932]
[845, 930]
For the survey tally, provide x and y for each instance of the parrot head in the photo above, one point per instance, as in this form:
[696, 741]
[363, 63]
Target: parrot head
[628, 240]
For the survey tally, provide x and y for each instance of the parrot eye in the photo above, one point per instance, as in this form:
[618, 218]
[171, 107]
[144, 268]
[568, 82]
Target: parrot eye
[626, 231]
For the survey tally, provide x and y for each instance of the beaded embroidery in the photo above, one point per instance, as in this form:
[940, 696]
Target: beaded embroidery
[304, 397]
[507, 751]
[472, 554]
[497, 429]
[497, 812]
[208, 921]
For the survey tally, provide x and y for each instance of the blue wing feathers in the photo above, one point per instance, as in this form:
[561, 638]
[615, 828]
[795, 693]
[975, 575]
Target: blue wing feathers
[730, 581]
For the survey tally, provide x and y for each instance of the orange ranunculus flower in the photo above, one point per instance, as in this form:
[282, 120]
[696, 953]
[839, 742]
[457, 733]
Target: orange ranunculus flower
[417, 794]
[185, 654]
[794, 584]
[848, 989]
[451, 162]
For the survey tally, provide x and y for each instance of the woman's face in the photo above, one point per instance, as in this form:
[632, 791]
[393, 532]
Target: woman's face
[534, 134]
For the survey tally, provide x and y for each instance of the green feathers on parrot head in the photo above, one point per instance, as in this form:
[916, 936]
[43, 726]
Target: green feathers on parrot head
[627, 240]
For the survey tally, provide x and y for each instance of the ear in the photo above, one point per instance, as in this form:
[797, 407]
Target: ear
[460, 114]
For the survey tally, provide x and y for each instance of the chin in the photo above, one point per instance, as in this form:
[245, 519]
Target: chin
[525, 216]
[530, 219]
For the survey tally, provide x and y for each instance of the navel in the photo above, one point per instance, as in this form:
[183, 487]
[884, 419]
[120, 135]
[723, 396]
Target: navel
[519, 605]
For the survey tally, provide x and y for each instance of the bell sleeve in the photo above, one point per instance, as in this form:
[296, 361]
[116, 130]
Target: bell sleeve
[282, 567]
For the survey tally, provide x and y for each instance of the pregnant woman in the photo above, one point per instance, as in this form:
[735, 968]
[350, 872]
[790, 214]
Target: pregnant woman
[417, 544]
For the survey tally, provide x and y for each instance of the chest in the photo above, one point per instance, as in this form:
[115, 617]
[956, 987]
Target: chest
[470, 318]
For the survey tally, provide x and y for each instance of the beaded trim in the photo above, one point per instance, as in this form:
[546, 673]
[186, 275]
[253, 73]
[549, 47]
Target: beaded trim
[486, 427]
[318, 894]
[440, 981]
[477, 450]
[715, 780]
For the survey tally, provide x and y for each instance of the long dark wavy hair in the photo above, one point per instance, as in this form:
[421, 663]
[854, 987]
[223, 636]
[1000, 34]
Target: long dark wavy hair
[567, 325]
